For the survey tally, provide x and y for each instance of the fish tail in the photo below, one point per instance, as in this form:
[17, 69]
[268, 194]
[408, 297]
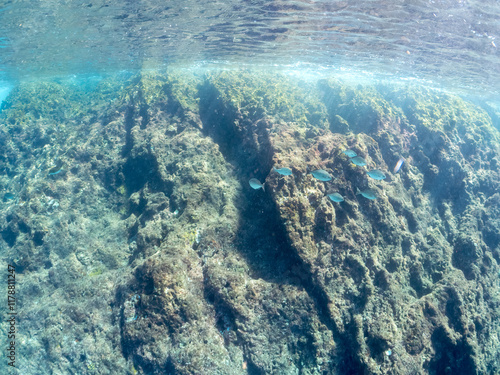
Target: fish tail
[358, 191]
[263, 188]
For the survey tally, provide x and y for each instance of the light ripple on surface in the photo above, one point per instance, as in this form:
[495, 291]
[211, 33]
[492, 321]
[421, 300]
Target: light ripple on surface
[453, 44]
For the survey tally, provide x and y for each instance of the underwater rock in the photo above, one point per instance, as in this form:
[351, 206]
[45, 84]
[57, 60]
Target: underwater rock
[164, 260]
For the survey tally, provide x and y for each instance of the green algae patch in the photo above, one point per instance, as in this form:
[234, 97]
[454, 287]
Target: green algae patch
[121, 190]
[274, 95]
[96, 272]
[182, 89]
[175, 90]
[60, 100]
[355, 109]
[443, 112]
[48, 100]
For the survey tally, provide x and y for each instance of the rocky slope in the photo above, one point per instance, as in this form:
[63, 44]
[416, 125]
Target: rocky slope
[140, 247]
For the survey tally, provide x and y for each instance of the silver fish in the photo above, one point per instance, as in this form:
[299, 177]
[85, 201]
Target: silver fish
[283, 171]
[321, 175]
[376, 174]
[336, 197]
[367, 193]
[256, 184]
[359, 161]
[399, 164]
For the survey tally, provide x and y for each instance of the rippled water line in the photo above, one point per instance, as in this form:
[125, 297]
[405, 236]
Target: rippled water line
[451, 43]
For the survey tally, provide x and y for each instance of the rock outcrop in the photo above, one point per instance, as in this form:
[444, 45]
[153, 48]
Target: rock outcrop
[140, 247]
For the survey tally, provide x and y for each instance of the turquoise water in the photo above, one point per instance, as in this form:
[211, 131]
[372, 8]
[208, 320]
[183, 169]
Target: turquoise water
[4, 91]
[254, 187]
[451, 45]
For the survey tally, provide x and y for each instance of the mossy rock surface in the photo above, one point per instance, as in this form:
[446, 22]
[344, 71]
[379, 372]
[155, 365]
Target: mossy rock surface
[142, 249]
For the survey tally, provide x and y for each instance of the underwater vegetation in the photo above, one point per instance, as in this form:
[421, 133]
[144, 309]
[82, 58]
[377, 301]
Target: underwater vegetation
[135, 213]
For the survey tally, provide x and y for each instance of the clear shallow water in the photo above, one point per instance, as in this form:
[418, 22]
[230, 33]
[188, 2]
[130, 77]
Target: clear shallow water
[447, 44]
[78, 166]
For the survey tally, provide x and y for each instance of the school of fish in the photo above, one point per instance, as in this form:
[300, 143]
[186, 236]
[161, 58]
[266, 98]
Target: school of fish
[322, 175]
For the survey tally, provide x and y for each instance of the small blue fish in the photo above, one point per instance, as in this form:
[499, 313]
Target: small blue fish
[350, 153]
[56, 172]
[255, 184]
[359, 161]
[58, 168]
[336, 197]
[398, 166]
[283, 171]
[368, 193]
[321, 175]
[8, 197]
[376, 174]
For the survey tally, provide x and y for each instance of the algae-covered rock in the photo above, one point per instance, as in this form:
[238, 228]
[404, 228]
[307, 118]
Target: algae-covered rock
[140, 247]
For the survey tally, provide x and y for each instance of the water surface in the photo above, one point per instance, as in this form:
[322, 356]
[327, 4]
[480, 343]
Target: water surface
[446, 44]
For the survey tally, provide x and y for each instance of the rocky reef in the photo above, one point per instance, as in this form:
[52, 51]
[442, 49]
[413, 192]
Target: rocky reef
[140, 247]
